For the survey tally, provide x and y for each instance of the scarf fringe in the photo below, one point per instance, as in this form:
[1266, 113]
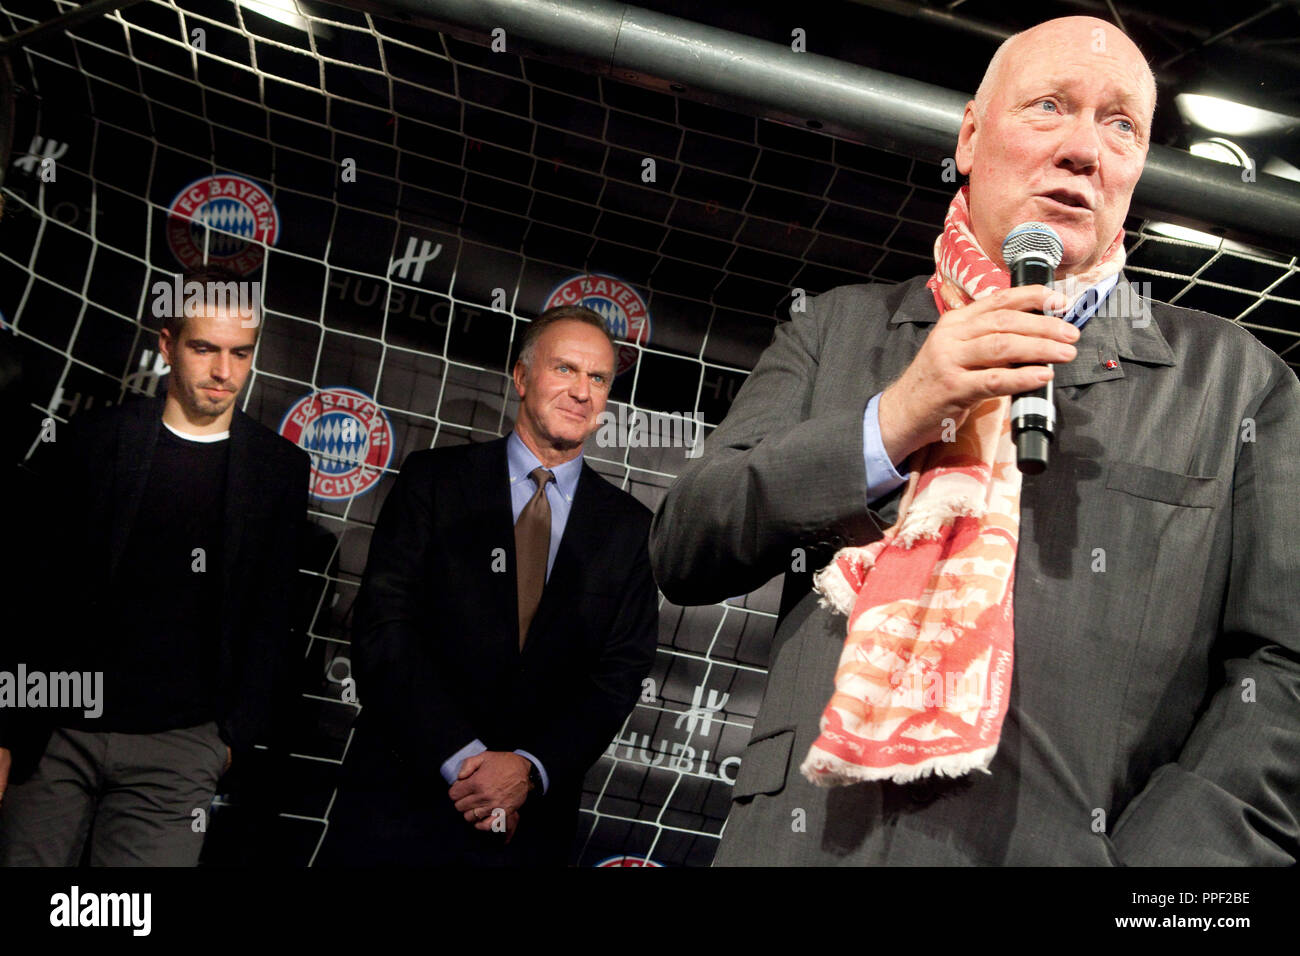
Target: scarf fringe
[828, 771]
[924, 522]
[836, 593]
[927, 520]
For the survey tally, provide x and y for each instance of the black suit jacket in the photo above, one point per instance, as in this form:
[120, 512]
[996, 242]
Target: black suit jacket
[435, 652]
[92, 479]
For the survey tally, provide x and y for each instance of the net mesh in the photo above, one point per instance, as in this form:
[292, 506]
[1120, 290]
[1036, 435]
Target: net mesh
[485, 186]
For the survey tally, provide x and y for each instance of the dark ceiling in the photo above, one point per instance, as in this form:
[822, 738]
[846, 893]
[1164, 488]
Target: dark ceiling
[1248, 52]
[542, 162]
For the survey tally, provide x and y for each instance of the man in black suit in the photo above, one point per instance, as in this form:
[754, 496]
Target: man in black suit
[174, 522]
[505, 622]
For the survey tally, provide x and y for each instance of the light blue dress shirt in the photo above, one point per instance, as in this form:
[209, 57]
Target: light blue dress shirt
[882, 476]
[520, 463]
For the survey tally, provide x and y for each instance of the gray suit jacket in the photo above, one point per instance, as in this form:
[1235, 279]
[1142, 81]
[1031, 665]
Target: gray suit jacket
[1153, 715]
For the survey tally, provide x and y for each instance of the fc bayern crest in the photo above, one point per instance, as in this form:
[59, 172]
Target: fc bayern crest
[620, 305]
[232, 214]
[628, 861]
[349, 438]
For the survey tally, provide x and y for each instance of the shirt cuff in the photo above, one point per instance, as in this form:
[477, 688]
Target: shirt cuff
[882, 477]
[546, 781]
[450, 769]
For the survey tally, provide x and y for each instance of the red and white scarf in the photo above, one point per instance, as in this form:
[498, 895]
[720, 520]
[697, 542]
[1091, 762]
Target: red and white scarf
[924, 678]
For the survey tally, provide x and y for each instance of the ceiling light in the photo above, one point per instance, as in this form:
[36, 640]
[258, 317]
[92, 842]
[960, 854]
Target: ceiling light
[1224, 151]
[1235, 119]
[1276, 166]
[1183, 233]
[283, 11]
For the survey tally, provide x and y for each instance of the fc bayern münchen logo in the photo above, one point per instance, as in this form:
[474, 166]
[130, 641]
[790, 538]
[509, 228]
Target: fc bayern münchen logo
[349, 438]
[628, 861]
[620, 305]
[241, 218]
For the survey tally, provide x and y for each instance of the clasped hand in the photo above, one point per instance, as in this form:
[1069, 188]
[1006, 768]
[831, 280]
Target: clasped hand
[491, 781]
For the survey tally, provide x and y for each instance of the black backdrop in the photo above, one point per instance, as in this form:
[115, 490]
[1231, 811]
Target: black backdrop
[486, 186]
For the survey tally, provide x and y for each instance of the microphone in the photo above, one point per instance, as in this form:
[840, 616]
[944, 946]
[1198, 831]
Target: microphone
[1032, 251]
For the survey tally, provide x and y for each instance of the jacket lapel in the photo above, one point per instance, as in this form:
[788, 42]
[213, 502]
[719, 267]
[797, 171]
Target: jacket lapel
[485, 486]
[133, 455]
[1122, 329]
[243, 505]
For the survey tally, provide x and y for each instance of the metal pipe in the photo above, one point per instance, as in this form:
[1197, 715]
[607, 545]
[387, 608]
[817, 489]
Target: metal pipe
[706, 63]
[1218, 198]
[805, 89]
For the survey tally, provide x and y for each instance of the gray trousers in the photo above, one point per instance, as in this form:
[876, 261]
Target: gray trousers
[134, 796]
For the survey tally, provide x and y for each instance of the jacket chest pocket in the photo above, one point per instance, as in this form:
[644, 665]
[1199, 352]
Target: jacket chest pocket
[1143, 481]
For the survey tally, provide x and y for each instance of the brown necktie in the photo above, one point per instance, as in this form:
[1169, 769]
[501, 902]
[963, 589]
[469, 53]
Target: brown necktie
[532, 545]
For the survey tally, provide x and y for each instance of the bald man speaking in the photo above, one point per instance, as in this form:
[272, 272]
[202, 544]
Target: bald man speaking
[1096, 665]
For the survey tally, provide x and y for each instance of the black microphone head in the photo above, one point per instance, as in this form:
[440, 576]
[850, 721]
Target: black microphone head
[1032, 240]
